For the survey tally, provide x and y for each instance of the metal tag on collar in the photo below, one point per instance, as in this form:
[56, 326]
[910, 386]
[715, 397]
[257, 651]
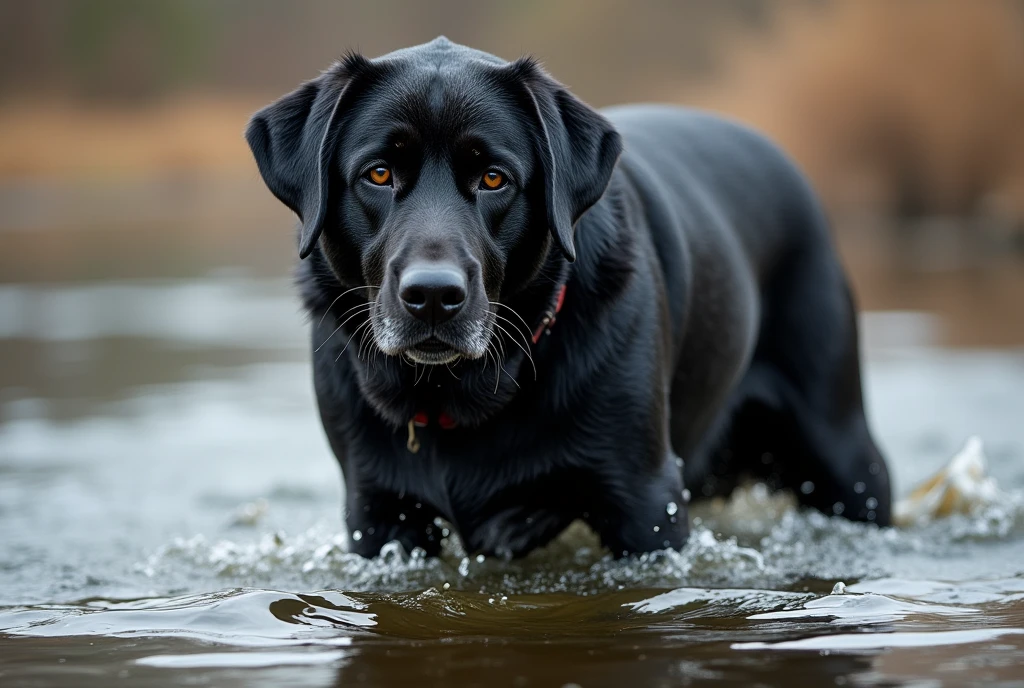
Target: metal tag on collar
[413, 443]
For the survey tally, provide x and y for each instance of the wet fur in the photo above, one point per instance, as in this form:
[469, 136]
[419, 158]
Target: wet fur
[706, 319]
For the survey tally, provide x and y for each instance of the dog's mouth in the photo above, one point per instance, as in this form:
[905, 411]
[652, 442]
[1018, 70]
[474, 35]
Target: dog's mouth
[432, 351]
[404, 337]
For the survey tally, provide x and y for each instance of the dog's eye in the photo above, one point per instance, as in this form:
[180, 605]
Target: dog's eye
[379, 175]
[492, 180]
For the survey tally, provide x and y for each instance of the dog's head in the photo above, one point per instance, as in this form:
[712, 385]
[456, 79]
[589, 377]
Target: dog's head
[441, 177]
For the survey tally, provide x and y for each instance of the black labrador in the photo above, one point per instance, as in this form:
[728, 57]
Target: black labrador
[528, 312]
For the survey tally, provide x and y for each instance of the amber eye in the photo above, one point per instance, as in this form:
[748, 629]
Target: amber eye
[492, 179]
[379, 175]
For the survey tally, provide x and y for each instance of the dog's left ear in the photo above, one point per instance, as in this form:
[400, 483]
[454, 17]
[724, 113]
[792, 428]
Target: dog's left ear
[294, 138]
[579, 149]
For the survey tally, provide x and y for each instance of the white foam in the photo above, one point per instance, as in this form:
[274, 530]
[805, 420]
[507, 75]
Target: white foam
[240, 660]
[881, 641]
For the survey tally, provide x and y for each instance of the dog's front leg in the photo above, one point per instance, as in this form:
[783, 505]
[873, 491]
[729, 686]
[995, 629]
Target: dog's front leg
[376, 517]
[515, 531]
[642, 512]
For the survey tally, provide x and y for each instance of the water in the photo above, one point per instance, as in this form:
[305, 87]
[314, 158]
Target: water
[170, 515]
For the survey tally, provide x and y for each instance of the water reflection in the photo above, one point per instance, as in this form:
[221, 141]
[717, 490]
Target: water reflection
[166, 494]
[435, 638]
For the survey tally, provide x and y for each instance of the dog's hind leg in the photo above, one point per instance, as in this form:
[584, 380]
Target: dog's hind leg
[810, 339]
[829, 463]
[797, 418]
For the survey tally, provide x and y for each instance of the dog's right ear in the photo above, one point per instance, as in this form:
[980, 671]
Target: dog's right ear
[293, 140]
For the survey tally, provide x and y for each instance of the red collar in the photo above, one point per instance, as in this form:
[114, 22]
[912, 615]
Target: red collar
[422, 418]
[548, 321]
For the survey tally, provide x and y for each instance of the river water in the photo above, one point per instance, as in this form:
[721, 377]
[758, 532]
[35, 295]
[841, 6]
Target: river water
[170, 515]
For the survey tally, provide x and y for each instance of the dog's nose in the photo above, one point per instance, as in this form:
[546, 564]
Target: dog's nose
[433, 293]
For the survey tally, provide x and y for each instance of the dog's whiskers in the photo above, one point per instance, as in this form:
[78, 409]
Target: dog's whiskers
[526, 340]
[352, 336]
[514, 382]
[501, 344]
[516, 342]
[364, 344]
[349, 291]
[526, 327]
[504, 357]
[365, 308]
[374, 354]
[497, 373]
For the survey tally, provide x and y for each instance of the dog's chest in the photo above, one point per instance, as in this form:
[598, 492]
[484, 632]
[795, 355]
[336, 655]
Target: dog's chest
[465, 473]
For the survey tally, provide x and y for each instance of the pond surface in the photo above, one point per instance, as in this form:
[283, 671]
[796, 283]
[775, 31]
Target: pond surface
[170, 515]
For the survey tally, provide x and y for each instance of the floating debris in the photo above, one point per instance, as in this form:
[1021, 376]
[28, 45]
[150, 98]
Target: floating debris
[961, 487]
[250, 513]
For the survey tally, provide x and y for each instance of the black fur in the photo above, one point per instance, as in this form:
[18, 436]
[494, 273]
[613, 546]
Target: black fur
[707, 322]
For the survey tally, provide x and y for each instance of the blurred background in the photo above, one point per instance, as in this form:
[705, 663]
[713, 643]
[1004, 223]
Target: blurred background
[122, 156]
[132, 219]
[153, 359]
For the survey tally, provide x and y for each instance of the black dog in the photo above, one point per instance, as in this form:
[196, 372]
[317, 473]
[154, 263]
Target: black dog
[453, 203]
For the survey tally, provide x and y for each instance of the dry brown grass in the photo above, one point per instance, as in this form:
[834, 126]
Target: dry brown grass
[907, 107]
[176, 136]
[904, 108]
